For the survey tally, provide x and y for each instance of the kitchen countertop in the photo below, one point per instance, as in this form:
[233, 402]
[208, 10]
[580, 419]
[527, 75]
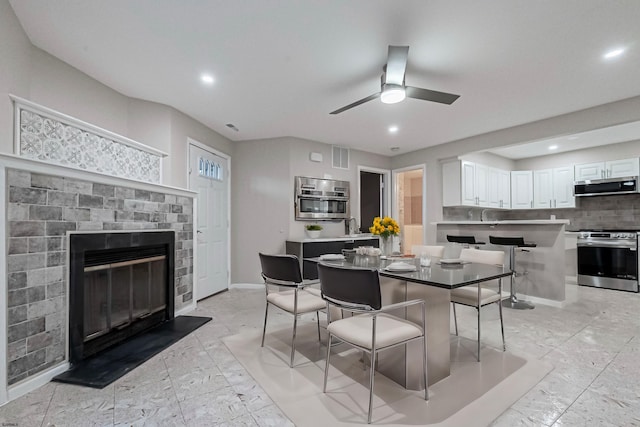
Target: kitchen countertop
[332, 239]
[507, 222]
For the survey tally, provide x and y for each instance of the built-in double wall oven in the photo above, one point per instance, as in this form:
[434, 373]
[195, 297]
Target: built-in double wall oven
[608, 259]
[321, 199]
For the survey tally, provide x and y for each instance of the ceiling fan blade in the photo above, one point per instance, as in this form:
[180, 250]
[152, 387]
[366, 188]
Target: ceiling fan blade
[396, 64]
[355, 104]
[430, 95]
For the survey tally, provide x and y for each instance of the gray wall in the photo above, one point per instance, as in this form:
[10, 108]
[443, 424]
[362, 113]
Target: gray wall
[33, 74]
[262, 196]
[619, 112]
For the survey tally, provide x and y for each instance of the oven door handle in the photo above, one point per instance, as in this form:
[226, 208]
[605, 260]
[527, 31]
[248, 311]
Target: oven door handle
[608, 244]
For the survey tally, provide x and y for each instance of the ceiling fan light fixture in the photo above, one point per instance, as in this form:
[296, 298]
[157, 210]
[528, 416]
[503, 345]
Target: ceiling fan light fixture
[392, 94]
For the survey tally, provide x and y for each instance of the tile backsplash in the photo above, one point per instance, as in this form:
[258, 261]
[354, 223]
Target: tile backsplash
[594, 212]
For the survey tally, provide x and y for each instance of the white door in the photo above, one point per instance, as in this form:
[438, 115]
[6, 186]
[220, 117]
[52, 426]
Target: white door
[493, 188]
[209, 177]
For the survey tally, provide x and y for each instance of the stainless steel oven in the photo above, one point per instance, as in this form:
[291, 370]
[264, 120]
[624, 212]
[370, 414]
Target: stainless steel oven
[608, 259]
[317, 198]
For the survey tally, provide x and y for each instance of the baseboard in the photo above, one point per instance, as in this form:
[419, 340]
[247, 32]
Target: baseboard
[246, 286]
[37, 381]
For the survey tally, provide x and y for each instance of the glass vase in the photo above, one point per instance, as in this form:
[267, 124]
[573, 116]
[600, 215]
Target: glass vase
[386, 245]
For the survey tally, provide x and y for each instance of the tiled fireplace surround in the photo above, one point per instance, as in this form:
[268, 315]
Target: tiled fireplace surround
[40, 209]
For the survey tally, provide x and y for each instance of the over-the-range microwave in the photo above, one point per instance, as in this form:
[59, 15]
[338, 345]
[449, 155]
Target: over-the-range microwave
[602, 187]
[321, 199]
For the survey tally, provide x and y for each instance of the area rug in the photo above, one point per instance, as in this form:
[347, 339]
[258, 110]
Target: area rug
[474, 394]
[104, 368]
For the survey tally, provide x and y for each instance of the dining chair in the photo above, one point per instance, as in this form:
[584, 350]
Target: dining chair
[478, 296]
[284, 271]
[434, 251]
[372, 329]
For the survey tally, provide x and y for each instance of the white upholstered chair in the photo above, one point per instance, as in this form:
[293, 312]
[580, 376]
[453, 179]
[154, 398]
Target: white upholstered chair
[478, 296]
[434, 251]
[284, 271]
[372, 329]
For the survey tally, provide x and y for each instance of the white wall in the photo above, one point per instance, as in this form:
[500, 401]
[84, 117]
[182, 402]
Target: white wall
[490, 159]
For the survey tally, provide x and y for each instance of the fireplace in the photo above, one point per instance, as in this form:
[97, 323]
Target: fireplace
[120, 284]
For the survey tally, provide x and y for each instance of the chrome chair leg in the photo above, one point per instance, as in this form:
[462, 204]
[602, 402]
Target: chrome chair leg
[293, 340]
[478, 308]
[504, 345]
[264, 329]
[371, 376]
[455, 317]
[326, 364]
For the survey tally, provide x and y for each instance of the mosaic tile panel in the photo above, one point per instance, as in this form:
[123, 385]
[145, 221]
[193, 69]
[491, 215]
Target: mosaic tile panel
[55, 141]
[40, 210]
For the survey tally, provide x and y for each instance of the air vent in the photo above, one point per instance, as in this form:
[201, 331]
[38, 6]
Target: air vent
[340, 157]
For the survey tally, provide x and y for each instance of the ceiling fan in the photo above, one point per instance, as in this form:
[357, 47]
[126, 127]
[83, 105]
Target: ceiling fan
[392, 87]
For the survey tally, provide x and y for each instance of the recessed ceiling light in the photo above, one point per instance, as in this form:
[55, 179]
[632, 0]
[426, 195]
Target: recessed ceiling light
[553, 147]
[613, 53]
[393, 129]
[207, 78]
[394, 148]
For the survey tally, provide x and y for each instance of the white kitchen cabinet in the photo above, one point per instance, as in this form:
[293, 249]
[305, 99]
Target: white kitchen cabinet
[499, 189]
[553, 188]
[465, 184]
[521, 189]
[611, 169]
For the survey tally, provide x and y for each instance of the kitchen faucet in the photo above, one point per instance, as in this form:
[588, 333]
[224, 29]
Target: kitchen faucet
[350, 226]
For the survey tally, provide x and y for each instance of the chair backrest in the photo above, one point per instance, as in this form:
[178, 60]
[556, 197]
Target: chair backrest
[281, 269]
[436, 251]
[482, 257]
[350, 288]
[506, 241]
[470, 240]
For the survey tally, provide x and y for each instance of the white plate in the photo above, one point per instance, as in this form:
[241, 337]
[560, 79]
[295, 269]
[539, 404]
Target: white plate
[400, 270]
[451, 261]
[400, 267]
[332, 257]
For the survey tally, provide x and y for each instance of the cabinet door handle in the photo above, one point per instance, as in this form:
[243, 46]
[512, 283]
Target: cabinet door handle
[532, 203]
[550, 203]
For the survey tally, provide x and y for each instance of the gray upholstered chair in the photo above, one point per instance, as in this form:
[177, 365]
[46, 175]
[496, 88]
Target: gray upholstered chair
[284, 271]
[371, 330]
[478, 296]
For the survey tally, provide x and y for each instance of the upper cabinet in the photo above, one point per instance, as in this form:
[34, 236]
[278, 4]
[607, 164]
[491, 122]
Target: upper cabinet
[467, 183]
[553, 188]
[499, 188]
[611, 169]
[521, 189]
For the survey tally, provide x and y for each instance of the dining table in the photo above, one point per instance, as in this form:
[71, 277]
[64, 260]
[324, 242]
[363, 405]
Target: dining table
[431, 280]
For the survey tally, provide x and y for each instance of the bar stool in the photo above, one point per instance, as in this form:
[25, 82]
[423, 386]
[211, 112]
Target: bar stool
[464, 240]
[514, 243]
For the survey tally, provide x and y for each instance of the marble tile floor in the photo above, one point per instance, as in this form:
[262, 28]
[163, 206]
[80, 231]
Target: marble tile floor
[593, 342]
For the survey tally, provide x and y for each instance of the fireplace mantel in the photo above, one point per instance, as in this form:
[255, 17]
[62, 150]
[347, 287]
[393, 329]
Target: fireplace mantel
[44, 202]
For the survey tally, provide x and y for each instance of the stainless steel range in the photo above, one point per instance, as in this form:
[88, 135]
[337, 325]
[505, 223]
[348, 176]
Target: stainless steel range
[608, 259]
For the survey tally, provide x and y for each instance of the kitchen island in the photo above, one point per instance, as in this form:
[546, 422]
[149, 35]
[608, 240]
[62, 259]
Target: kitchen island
[545, 264]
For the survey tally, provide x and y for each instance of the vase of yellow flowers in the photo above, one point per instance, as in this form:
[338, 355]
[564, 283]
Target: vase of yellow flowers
[386, 228]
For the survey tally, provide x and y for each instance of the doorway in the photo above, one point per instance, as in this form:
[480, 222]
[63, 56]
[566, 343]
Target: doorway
[410, 205]
[209, 177]
[373, 185]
